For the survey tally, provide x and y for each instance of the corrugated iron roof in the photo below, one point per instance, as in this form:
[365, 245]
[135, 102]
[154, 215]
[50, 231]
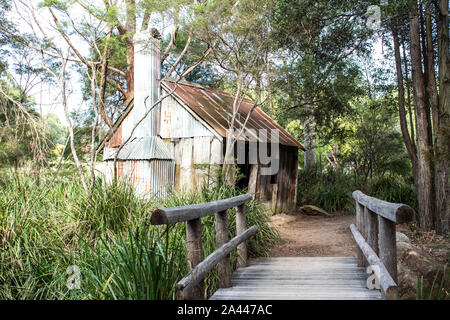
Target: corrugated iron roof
[148, 148]
[216, 107]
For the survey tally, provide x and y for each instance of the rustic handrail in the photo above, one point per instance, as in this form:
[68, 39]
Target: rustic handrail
[395, 212]
[376, 237]
[192, 286]
[195, 211]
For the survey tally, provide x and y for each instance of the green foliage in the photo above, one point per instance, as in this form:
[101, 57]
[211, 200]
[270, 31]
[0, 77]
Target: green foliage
[328, 189]
[331, 189]
[48, 225]
[376, 147]
[394, 188]
[438, 289]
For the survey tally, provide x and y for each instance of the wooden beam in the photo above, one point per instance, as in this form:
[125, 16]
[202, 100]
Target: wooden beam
[240, 229]
[195, 255]
[196, 211]
[388, 285]
[371, 230]
[388, 246]
[223, 267]
[398, 213]
[360, 225]
[187, 284]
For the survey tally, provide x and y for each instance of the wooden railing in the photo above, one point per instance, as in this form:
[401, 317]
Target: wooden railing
[375, 235]
[191, 287]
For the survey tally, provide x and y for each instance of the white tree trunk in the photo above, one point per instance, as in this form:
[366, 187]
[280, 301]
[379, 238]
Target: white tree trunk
[309, 134]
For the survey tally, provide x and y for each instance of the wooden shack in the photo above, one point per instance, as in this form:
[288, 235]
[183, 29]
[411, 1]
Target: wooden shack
[183, 139]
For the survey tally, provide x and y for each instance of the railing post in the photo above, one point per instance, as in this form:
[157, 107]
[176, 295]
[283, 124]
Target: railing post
[224, 267]
[388, 246]
[195, 253]
[240, 228]
[360, 226]
[371, 219]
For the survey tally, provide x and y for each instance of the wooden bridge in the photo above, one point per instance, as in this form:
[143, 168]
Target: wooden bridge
[313, 278]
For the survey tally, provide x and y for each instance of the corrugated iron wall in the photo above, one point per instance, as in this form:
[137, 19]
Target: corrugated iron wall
[148, 177]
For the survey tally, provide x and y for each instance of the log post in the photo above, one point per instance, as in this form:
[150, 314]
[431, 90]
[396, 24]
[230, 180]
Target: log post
[388, 246]
[224, 267]
[240, 228]
[371, 219]
[195, 253]
[360, 226]
[274, 198]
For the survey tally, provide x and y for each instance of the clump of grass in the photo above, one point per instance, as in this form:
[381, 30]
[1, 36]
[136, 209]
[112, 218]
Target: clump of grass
[110, 207]
[438, 290]
[48, 226]
[145, 263]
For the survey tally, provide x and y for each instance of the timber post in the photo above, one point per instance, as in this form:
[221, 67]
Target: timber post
[376, 237]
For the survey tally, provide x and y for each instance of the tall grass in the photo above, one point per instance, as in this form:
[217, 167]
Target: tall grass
[331, 189]
[48, 226]
[438, 289]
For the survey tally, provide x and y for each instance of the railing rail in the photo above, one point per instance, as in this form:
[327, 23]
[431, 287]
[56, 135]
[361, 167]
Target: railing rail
[192, 286]
[375, 235]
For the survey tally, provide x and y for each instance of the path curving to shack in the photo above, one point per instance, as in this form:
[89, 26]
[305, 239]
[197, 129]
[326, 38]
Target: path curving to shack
[314, 236]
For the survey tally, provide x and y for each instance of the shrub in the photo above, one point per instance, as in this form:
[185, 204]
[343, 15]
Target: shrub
[328, 189]
[393, 188]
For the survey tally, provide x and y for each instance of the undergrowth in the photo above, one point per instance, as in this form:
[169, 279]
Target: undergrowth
[50, 224]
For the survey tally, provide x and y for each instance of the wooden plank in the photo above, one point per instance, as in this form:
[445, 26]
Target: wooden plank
[186, 285]
[387, 283]
[395, 212]
[326, 278]
[196, 211]
[240, 228]
[223, 266]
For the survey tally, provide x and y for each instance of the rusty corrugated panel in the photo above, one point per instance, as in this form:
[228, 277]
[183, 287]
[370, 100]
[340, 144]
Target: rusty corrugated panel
[148, 177]
[215, 107]
[147, 148]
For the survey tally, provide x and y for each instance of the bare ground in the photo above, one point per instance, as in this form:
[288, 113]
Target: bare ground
[313, 236]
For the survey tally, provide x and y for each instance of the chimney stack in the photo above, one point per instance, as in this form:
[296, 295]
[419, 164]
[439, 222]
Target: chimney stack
[147, 77]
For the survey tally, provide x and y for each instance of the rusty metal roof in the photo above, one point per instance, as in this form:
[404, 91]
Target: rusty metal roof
[148, 148]
[216, 107]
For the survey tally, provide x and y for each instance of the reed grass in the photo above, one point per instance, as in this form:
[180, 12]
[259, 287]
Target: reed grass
[49, 224]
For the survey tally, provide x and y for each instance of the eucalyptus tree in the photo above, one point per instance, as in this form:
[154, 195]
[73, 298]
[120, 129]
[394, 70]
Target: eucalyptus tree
[316, 41]
[422, 28]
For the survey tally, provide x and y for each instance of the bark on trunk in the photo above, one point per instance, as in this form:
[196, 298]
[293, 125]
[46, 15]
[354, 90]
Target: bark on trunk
[309, 134]
[443, 131]
[425, 173]
[130, 71]
[409, 141]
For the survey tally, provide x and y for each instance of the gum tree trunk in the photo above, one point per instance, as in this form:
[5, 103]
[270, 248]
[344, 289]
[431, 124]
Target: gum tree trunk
[425, 196]
[443, 131]
[309, 135]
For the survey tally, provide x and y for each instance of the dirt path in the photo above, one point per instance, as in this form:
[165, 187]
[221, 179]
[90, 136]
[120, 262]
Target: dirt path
[307, 236]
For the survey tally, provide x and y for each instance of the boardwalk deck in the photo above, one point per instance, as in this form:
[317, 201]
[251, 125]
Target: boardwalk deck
[299, 279]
